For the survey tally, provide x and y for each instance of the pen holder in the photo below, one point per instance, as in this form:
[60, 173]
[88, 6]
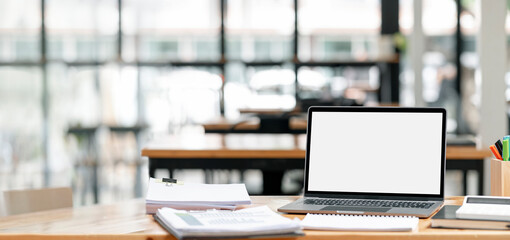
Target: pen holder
[500, 178]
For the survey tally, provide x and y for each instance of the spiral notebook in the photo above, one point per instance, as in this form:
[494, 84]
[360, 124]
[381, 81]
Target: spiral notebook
[359, 222]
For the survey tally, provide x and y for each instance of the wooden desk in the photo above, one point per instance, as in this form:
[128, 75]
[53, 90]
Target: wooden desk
[267, 152]
[127, 220]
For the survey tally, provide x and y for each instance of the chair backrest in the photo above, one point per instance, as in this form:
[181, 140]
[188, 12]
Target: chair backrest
[34, 200]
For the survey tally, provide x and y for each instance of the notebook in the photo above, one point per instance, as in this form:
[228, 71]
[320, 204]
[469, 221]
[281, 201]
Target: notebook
[373, 160]
[359, 222]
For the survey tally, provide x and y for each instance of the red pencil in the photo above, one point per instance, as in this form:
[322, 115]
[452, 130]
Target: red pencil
[495, 152]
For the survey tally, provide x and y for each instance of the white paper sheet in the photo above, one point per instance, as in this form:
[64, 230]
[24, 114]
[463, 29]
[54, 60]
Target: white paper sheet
[193, 193]
[359, 222]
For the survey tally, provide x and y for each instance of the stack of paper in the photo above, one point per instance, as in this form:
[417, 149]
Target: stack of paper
[192, 196]
[250, 222]
[476, 212]
[446, 218]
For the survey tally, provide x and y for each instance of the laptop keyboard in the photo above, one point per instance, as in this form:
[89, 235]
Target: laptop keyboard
[369, 203]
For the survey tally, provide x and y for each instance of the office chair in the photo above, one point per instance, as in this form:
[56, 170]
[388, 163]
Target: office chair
[25, 201]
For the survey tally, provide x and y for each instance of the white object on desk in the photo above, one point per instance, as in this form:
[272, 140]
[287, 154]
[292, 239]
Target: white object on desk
[194, 196]
[485, 207]
[359, 222]
[249, 222]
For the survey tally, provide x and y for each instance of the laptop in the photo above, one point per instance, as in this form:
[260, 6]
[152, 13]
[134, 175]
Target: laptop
[373, 160]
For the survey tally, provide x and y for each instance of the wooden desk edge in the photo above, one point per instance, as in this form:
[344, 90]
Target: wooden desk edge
[161, 153]
[452, 153]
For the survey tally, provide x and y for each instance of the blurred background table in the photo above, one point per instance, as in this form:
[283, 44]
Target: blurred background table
[271, 153]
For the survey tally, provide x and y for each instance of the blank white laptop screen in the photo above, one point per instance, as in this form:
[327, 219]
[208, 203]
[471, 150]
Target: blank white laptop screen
[375, 152]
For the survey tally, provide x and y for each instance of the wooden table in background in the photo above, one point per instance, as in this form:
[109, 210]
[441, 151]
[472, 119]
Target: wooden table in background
[297, 125]
[273, 154]
[267, 152]
[127, 220]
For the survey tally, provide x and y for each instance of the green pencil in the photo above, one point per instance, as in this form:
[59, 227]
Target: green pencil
[505, 149]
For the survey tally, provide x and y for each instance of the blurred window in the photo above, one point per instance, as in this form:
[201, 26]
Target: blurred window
[21, 124]
[162, 30]
[175, 97]
[469, 113]
[90, 85]
[339, 85]
[79, 30]
[259, 30]
[439, 66]
[20, 25]
[338, 29]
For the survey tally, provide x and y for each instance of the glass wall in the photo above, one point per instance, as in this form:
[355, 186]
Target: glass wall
[162, 30]
[338, 30]
[20, 24]
[261, 32]
[441, 86]
[21, 127]
[469, 118]
[115, 73]
[346, 31]
[177, 97]
[439, 72]
[85, 35]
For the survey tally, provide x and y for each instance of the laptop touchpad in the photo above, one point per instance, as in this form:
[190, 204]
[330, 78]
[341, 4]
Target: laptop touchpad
[356, 209]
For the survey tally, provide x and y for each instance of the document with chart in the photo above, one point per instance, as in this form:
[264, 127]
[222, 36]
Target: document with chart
[249, 222]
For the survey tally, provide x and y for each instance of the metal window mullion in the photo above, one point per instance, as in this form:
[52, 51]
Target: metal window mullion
[119, 32]
[222, 53]
[45, 98]
[458, 51]
[390, 88]
[295, 59]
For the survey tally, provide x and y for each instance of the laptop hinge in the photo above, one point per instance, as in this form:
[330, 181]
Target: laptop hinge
[409, 198]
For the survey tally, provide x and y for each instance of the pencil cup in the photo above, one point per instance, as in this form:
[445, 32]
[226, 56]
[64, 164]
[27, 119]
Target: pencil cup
[500, 178]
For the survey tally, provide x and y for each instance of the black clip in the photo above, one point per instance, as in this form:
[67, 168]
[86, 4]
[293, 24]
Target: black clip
[169, 180]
